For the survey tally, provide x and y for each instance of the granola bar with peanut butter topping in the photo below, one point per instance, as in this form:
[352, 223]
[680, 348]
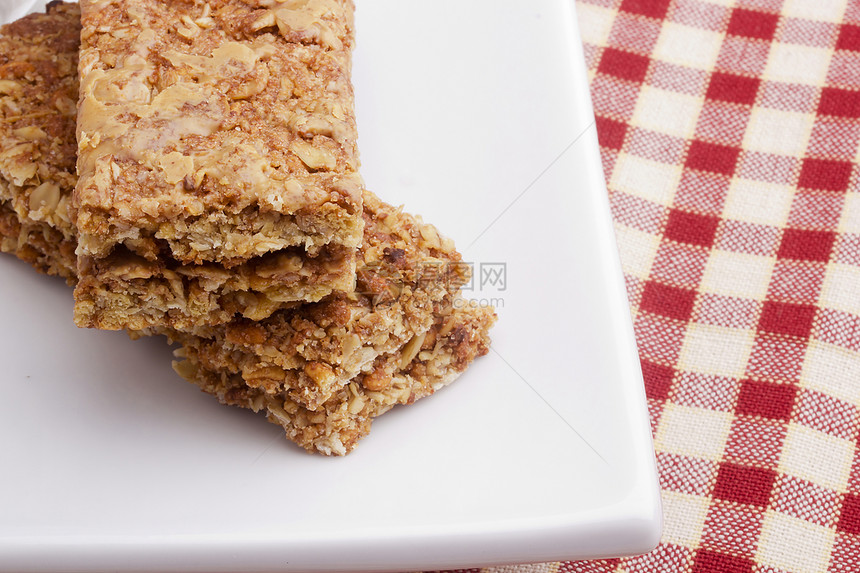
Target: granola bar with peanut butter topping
[217, 159]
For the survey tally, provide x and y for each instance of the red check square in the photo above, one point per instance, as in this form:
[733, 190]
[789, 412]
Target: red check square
[668, 301]
[806, 245]
[786, 318]
[707, 561]
[691, 228]
[744, 484]
[777, 208]
[752, 24]
[839, 103]
[732, 88]
[610, 133]
[651, 8]
[849, 38]
[658, 380]
[766, 399]
[849, 518]
[712, 157]
[825, 174]
[624, 65]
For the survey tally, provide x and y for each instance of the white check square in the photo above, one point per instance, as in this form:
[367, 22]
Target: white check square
[758, 202]
[694, 432]
[850, 222]
[638, 250]
[817, 457]
[840, 290]
[599, 20]
[738, 275]
[644, 178]
[822, 10]
[831, 370]
[790, 544]
[777, 131]
[683, 518]
[716, 350]
[687, 46]
[796, 64]
[667, 112]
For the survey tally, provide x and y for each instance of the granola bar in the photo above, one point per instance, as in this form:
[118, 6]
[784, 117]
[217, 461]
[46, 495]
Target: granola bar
[38, 91]
[457, 337]
[407, 272]
[217, 159]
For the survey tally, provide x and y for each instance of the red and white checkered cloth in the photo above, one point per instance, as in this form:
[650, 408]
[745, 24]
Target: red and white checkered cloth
[730, 131]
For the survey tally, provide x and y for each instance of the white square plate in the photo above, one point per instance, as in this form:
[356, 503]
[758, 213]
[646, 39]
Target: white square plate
[477, 115]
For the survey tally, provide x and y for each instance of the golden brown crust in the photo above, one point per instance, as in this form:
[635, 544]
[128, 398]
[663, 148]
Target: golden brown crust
[212, 133]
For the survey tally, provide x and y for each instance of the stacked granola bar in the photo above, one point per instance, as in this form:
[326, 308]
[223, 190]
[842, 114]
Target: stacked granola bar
[233, 220]
[217, 159]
